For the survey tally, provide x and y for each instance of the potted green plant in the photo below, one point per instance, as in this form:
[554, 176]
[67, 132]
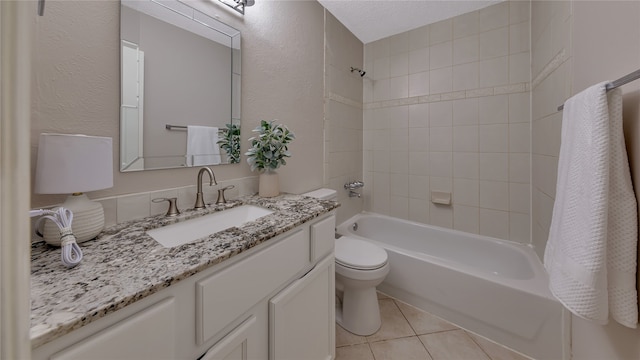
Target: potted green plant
[268, 151]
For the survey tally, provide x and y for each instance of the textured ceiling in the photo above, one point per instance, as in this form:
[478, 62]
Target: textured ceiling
[370, 20]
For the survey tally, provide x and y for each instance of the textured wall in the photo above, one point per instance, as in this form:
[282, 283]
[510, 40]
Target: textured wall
[76, 85]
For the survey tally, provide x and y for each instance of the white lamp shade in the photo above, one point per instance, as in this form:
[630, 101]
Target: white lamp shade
[73, 163]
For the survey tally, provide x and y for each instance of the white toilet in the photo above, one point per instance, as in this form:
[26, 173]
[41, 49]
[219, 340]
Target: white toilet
[360, 267]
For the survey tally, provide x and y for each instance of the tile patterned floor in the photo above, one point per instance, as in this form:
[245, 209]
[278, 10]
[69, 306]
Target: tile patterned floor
[408, 333]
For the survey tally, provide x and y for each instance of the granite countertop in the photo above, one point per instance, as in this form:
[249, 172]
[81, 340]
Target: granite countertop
[124, 264]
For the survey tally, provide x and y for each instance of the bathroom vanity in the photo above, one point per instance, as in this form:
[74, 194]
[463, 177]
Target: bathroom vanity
[262, 290]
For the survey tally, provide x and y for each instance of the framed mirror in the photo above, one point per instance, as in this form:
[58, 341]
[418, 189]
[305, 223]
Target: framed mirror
[180, 87]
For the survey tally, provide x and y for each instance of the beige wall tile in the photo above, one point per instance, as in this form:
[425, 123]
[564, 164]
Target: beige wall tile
[494, 72]
[419, 139]
[466, 165]
[465, 138]
[419, 38]
[466, 218]
[465, 25]
[493, 138]
[494, 166]
[418, 60]
[441, 113]
[519, 227]
[419, 210]
[419, 115]
[494, 43]
[519, 38]
[465, 76]
[466, 192]
[465, 112]
[494, 195]
[441, 55]
[466, 49]
[418, 84]
[494, 16]
[440, 80]
[399, 206]
[493, 109]
[519, 11]
[440, 138]
[441, 215]
[441, 31]
[494, 223]
[441, 164]
[520, 168]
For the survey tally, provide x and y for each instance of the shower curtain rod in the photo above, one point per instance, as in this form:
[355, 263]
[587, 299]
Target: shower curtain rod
[617, 83]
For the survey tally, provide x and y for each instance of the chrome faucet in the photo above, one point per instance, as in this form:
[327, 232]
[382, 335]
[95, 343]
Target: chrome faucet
[212, 181]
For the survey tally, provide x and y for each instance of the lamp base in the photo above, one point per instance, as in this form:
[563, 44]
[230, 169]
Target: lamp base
[88, 220]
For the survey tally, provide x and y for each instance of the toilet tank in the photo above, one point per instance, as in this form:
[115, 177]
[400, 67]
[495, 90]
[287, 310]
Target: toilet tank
[323, 194]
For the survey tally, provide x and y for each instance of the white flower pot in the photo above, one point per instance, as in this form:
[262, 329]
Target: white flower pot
[269, 185]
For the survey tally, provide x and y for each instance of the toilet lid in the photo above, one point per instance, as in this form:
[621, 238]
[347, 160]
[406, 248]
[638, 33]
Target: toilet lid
[359, 254]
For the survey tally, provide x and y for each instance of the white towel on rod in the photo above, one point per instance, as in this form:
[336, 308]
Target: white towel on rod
[202, 146]
[591, 252]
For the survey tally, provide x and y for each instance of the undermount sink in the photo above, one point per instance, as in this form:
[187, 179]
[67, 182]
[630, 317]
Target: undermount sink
[190, 230]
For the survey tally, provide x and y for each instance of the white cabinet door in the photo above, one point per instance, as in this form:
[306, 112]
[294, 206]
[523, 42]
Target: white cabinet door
[302, 317]
[236, 345]
[149, 334]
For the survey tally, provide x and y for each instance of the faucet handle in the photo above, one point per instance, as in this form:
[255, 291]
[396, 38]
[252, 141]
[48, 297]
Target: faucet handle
[173, 207]
[221, 199]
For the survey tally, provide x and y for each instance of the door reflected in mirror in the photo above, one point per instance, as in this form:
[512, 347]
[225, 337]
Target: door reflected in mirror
[180, 86]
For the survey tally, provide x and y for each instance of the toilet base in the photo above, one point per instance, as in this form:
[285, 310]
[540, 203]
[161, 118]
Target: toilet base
[360, 312]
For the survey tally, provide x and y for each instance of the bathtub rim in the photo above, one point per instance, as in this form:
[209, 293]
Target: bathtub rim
[537, 286]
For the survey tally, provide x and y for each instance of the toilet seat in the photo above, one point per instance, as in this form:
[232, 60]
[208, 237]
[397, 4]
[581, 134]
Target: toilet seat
[359, 254]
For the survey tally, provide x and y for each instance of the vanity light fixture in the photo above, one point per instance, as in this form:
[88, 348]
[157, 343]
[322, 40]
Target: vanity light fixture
[238, 5]
[74, 164]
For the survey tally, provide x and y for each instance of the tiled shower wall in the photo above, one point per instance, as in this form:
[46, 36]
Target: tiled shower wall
[447, 108]
[551, 73]
[343, 114]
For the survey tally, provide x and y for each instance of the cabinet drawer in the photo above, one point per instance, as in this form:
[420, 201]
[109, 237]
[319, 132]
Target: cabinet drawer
[234, 345]
[322, 238]
[130, 338]
[224, 296]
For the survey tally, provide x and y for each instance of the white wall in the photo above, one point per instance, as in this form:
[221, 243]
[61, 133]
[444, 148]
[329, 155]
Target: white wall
[447, 109]
[574, 45]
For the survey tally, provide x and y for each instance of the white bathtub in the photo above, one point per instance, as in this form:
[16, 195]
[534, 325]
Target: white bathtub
[494, 288]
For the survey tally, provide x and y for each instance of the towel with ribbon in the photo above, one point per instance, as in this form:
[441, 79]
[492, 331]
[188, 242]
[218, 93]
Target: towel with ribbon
[591, 252]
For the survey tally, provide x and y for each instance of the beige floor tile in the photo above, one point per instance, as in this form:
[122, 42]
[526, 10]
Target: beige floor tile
[422, 322]
[496, 351]
[354, 352]
[409, 348]
[343, 337]
[454, 344]
[394, 325]
[382, 296]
